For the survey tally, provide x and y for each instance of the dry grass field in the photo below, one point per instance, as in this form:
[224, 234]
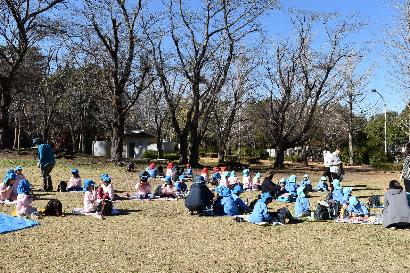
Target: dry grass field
[160, 236]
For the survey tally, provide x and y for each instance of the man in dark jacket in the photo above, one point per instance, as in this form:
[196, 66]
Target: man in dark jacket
[46, 162]
[199, 196]
[268, 185]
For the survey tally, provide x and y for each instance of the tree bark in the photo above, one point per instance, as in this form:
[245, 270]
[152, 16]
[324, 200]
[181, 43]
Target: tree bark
[6, 132]
[183, 149]
[117, 140]
[280, 156]
[221, 153]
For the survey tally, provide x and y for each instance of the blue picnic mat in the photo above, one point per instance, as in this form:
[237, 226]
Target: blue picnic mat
[9, 223]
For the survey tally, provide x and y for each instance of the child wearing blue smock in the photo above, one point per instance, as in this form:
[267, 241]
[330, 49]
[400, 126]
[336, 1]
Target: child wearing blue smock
[337, 194]
[188, 171]
[322, 184]
[291, 185]
[347, 192]
[306, 183]
[180, 185]
[236, 192]
[229, 206]
[357, 208]
[260, 211]
[302, 204]
[152, 170]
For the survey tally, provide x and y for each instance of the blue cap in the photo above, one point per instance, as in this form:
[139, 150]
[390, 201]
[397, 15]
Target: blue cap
[167, 179]
[200, 179]
[9, 177]
[87, 183]
[347, 190]
[219, 189]
[74, 171]
[18, 168]
[9, 171]
[353, 200]
[23, 187]
[144, 176]
[258, 175]
[336, 184]
[237, 189]
[233, 174]
[225, 174]
[292, 179]
[105, 178]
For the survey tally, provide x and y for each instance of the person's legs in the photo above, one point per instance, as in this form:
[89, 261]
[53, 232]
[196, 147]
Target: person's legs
[328, 174]
[47, 170]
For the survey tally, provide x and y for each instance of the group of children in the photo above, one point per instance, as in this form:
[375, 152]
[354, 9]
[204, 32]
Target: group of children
[227, 201]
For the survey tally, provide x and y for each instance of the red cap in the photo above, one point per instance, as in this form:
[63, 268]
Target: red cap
[152, 165]
[223, 168]
[170, 165]
[204, 170]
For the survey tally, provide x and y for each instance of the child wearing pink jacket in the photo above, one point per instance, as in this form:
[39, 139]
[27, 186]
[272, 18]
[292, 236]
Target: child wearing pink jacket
[246, 180]
[74, 184]
[90, 196]
[24, 199]
[143, 187]
[8, 189]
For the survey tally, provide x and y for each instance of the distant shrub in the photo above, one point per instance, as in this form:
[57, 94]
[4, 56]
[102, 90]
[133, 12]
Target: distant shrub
[150, 154]
[171, 156]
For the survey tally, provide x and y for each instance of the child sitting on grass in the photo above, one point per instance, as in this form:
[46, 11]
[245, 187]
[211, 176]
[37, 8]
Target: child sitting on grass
[256, 182]
[188, 172]
[306, 183]
[216, 176]
[302, 205]
[167, 190]
[90, 197]
[204, 174]
[105, 190]
[233, 180]
[229, 206]
[19, 173]
[357, 208]
[224, 179]
[246, 180]
[279, 188]
[260, 211]
[24, 200]
[170, 169]
[8, 189]
[180, 185]
[152, 170]
[74, 184]
[291, 185]
[143, 187]
[347, 193]
[337, 194]
[322, 185]
[236, 192]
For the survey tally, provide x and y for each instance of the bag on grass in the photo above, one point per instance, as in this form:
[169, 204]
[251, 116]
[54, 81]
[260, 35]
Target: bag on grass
[62, 186]
[283, 214]
[105, 207]
[53, 208]
[322, 212]
[374, 201]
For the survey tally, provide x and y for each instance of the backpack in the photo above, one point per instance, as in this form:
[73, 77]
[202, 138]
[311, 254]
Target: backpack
[105, 207]
[283, 214]
[62, 186]
[374, 201]
[334, 209]
[130, 167]
[53, 208]
[321, 213]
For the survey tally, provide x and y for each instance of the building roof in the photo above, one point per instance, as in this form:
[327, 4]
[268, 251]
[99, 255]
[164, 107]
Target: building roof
[138, 133]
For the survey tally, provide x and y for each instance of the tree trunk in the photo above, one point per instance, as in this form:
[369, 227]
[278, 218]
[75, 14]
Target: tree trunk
[6, 132]
[159, 144]
[194, 151]
[221, 153]
[280, 156]
[183, 149]
[350, 125]
[351, 153]
[117, 140]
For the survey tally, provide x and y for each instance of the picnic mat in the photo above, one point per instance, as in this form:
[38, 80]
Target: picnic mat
[8, 203]
[9, 223]
[245, 218]
[372, 220]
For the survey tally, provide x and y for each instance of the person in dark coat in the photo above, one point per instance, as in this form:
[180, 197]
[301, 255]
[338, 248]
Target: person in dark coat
[268, 185]
[396, 212]
[200, 196]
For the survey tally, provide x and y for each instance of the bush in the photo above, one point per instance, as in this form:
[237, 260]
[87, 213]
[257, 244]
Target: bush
[388, 167]
[150, 154]
[171, 156]
[252, 160]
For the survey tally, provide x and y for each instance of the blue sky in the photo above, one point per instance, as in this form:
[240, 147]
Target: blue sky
[378, 16]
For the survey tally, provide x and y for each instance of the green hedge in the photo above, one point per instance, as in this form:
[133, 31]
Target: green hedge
[388, 167]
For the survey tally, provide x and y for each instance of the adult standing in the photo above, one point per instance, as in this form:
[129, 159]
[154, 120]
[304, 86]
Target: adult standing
[199, 196]
[336, 166]
[46, 162]
[327, 161]
[405, 173]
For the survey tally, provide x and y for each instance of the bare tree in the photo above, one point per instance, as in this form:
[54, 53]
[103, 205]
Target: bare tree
[204, 43]
[112, 33]
[304, 77]
[22, 24]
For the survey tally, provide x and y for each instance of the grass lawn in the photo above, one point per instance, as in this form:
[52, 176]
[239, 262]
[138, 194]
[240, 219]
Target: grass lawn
[160, 236]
